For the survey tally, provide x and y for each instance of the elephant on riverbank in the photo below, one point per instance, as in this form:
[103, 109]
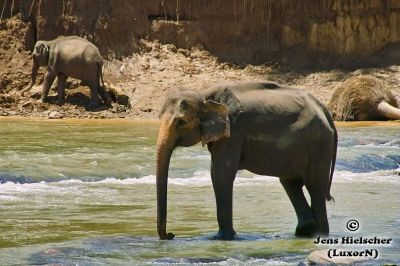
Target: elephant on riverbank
[65, 57]
[259, 126]
[363, 98]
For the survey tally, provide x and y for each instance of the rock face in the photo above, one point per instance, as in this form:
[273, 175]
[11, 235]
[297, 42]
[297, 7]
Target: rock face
[242, 31]
[358, 98]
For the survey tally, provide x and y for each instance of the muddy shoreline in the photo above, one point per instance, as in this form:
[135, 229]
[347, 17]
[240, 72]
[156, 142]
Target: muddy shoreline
[140, 121]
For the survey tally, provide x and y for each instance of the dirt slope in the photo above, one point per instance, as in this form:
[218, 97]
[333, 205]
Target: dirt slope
[328, 32]
[151, 47]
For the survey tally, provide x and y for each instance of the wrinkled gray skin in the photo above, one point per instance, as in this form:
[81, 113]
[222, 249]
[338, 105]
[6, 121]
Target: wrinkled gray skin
[262, 127]
[65, 57]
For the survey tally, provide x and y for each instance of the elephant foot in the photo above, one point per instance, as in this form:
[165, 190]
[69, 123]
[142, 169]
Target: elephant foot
[108, 101]
[322, 230]
[224, 235]
[93, 105]
[41, 100]
[306, 228]
[61, 102]
[165, 236]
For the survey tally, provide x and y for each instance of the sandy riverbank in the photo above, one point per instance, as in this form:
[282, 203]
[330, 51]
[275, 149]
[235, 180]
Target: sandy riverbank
[133, 122]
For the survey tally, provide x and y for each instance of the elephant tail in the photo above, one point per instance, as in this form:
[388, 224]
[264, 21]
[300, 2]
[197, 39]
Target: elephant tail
[335, 145]
[100, 73]
[333, 162]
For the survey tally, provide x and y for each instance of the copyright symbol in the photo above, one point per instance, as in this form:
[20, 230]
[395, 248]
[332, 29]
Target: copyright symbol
[352, 225]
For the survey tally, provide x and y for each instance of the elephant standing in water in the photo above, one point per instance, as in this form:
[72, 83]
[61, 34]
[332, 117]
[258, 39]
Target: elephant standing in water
[65, 57]
[262, 127]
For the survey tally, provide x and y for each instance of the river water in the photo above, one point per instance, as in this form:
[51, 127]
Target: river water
[83, 192]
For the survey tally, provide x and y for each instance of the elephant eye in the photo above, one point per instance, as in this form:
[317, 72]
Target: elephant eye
[180, 122]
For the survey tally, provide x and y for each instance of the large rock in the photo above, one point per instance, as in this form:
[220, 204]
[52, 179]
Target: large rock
[55, 115]
[320, 257]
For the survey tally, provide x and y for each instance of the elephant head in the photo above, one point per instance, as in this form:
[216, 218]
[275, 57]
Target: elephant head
[40, 53]
[186, 119]
[40, 56]
[364, 98]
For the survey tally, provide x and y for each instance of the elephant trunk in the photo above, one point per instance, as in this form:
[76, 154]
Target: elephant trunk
[388, 110]
[35, 67]
[164, 152]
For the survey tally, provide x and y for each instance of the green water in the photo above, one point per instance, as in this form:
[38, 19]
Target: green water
[83, 192]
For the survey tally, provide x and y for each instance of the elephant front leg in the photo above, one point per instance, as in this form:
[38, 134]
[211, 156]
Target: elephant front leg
[224, 162]
[104, 95]
[306, 223]
[223, 196]
[48, 81]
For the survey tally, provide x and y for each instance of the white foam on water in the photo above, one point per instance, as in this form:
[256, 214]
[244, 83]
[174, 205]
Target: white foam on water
[390, 143]
[17, 187]
[380, 176]
[199, 178]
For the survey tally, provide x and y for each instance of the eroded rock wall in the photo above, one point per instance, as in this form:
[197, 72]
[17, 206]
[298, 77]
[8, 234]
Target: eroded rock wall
[243, 31]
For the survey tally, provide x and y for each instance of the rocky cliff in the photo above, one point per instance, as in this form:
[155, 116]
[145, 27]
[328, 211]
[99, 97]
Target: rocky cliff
[243, 31]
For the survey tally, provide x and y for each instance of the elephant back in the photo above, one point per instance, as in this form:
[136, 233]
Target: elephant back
[75, 47]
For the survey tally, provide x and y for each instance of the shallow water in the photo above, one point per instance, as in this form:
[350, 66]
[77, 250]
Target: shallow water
[83, 192]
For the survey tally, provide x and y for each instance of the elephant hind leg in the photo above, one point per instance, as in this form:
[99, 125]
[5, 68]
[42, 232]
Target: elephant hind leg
[62, 79]
[318, 181]
[318, 207]
[306, 223]
[104, 96]
[94, 97]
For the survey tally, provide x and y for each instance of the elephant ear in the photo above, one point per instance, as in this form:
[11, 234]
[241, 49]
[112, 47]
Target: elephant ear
[43, 50]
[46, 50]
[215, 123]
[227, 98]
[41, 54]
